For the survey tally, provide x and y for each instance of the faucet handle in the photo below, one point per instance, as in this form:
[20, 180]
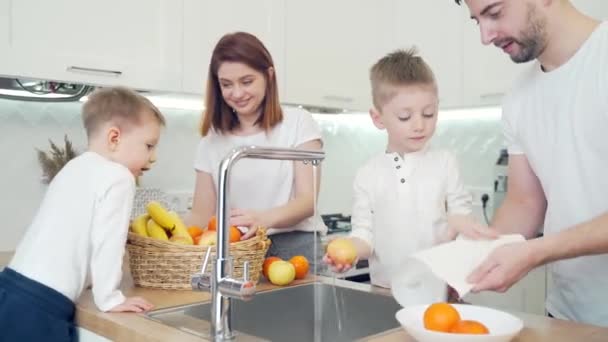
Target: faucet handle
[206, 260]
[202, 281]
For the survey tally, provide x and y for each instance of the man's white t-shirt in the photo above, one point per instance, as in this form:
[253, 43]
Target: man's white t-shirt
[400, 207]
[260, 184]
[80, 231]
[559, 121]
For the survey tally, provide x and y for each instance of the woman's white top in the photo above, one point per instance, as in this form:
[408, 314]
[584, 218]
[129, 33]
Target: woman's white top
[260, 184]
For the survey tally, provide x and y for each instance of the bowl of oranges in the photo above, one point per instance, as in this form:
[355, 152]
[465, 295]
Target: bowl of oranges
[444, 322]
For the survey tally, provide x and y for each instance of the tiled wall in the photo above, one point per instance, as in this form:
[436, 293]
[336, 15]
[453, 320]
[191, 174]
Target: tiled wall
[475, 135]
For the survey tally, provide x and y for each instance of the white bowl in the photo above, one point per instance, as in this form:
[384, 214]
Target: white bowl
[502, 326]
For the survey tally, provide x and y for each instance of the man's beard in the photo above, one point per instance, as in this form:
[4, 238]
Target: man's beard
[533, 38]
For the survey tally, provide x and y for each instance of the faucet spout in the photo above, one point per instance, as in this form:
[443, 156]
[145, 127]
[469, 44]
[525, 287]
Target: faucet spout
[223, 287]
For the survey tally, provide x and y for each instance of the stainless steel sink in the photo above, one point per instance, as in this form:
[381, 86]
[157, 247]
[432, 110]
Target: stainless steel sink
[310, 312]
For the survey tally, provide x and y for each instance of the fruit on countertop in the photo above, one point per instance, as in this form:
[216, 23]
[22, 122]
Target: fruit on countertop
[342, 251]
[138, 225]
[267, 262]
[440, 317]
[301, 265]
[155, 231]
[469, 327]
[281, 273]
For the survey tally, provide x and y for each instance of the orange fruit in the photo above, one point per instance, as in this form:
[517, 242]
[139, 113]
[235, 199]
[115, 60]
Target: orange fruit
[235, 234]
[195, 231]
[301, 264]
[441, 317]
[212, 225]
[196, 239]
[267, 263]
[469, 327]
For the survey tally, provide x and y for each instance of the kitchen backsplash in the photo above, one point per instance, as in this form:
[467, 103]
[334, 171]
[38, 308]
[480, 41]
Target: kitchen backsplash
[475, 135]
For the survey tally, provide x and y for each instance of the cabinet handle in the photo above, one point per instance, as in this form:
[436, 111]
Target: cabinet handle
[488, 96]
[93, 71]
[338, 98]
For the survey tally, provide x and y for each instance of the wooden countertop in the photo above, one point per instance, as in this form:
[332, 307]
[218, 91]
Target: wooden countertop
[135, 327]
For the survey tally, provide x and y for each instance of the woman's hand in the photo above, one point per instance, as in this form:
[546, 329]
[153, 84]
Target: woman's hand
[251, 219]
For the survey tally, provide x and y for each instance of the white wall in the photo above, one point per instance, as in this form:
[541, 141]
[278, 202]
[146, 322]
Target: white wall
[350, 139]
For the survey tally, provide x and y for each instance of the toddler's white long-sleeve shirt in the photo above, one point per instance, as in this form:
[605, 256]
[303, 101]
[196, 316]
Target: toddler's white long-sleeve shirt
[80, 230]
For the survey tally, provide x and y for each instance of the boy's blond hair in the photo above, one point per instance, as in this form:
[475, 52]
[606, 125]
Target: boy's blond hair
[120, 105]
[398, 68]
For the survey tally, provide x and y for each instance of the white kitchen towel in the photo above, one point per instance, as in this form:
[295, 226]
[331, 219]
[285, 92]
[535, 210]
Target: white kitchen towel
[455, 260]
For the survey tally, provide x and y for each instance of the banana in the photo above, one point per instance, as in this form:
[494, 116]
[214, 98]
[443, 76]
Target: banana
[180, 228]
[160, 215]
[138, 225]
[155, 231]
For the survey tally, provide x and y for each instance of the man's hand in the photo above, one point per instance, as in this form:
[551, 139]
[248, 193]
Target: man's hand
[505, 266]
[133, 304]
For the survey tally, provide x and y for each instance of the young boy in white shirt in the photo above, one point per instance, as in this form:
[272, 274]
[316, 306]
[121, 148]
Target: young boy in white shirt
[78, 236]
[411, 196]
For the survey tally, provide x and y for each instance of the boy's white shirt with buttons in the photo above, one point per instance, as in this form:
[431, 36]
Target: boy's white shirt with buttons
[80, 230]
[400, 208]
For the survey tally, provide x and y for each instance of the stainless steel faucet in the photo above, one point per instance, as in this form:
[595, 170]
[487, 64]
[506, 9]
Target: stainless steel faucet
[221, 284]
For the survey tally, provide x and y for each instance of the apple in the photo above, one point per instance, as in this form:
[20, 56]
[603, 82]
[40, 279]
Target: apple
[281, 272]
[208, 238]
[342, 251]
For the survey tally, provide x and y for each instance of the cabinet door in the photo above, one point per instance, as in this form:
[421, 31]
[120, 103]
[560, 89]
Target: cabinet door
[593, 8]
[330, 47]
[488, 72]
[206, 21]
[135, 43]
[435, 29]
[5, 62]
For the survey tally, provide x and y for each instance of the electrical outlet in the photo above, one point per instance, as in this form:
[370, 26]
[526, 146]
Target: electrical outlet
[477, 192]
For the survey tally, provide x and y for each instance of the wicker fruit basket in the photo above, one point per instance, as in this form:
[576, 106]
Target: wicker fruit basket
[166, 265]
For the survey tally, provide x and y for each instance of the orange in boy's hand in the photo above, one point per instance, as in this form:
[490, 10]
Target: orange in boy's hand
[195, 231]
[301, 264]
[267, 263]
[441, 317]
[469, 327]
[212, 225]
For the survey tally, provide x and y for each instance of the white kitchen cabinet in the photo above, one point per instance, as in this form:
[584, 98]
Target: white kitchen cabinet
[593, 8]
[436, 30]
[205, 22]
[5, 62]
[135, 43]
[330, 47]
[487, 72]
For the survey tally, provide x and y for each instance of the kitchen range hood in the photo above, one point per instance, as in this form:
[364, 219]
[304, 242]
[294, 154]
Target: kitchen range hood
[26, 89]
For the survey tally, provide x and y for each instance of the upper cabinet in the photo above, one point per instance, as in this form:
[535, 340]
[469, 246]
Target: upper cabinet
[134, 43]
[594, 8]
[205, 22]
[487, 72]
[330, 47]
[435, 29]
